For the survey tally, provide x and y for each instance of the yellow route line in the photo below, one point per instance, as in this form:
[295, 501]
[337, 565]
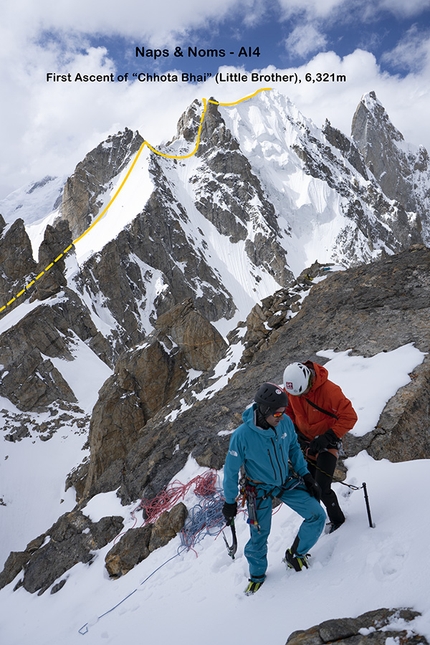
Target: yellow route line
[121, 186]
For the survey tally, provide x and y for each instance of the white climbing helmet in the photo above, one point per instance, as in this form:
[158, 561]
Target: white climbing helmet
[296, 378]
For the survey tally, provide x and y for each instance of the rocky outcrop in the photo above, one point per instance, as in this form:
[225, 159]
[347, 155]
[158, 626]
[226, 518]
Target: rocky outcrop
[373, 627]
[75, 538]
[346, 146]
[72, 539]
[402, 173]
[84, 190]
[378, 141]
[19, 269]
[16, 261]
[56, 240]
[201, 344]
[146, 380]
[28, 377]
[137, 544]
[275, 310]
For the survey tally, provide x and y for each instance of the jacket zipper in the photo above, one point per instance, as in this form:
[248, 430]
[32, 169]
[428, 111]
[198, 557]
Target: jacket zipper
[277, 461]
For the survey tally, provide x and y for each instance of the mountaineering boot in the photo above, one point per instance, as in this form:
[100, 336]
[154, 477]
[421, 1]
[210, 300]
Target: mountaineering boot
[296, 562]
[293, 560]
[254, 585]
[330, 527]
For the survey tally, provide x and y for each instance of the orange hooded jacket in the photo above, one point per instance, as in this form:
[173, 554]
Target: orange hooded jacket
[328, 396]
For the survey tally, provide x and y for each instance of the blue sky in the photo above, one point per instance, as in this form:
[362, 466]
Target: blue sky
[46, 127]
[272, 39]
[277, 42]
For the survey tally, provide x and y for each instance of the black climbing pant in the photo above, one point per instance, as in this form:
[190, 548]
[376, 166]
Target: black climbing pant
[322, 471]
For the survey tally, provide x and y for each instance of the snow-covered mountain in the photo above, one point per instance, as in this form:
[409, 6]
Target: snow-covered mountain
[124, 290]
[266, 194]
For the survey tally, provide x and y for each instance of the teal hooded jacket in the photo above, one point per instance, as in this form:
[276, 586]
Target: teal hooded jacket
[264, 454]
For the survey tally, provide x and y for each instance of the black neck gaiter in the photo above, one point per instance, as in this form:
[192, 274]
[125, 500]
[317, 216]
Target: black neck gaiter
[261, 420]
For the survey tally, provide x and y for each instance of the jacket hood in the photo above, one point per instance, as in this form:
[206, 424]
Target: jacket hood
[248, 418]
[321, 375]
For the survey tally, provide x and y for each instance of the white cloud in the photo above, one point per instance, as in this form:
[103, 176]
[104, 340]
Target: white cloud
[364, 9]
[412, 52]
[405, 9]
[151, 20]
[310, 8]
[305, 40]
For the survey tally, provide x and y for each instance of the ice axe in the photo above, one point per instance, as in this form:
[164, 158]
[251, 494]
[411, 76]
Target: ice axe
[231, 549]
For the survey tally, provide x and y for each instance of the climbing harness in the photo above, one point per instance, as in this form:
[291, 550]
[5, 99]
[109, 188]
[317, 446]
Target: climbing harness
[249, 495]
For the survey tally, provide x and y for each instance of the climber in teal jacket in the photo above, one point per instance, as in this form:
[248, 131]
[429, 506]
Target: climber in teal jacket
[263, 446]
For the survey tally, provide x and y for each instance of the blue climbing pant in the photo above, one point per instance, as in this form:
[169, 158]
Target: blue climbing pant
[311, 528]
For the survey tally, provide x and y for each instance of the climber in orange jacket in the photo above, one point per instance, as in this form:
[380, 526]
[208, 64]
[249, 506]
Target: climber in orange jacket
[322, 415]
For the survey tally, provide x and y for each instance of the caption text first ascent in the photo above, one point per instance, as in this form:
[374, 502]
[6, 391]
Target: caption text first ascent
[187, 77]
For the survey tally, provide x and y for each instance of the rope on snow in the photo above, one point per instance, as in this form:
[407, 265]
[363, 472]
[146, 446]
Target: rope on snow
[205, 518]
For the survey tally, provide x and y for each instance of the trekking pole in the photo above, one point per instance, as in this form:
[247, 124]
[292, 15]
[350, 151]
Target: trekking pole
[366, 499]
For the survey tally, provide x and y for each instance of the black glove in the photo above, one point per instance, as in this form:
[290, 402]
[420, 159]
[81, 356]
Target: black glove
[321, 443]
[229, 511]
[314, 489]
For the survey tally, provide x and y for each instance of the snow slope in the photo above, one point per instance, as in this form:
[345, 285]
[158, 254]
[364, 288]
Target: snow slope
[194, 596]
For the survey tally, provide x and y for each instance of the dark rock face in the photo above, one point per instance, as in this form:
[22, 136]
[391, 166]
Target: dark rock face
[30, 379]
[82, 196]
[371, 628]
[138, 544]
[376, 138]
[72, 539]
[402, 174]
[16, 259]
[146, 380]
[275, 311]
[56, 240]
[347, 147]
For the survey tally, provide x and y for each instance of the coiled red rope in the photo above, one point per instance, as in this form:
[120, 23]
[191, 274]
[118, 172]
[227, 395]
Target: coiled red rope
[204, 486]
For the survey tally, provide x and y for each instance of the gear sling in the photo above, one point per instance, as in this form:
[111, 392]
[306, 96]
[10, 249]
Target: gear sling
[249, 495]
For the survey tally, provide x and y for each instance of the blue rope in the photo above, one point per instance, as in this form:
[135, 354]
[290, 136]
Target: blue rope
[203, 519]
